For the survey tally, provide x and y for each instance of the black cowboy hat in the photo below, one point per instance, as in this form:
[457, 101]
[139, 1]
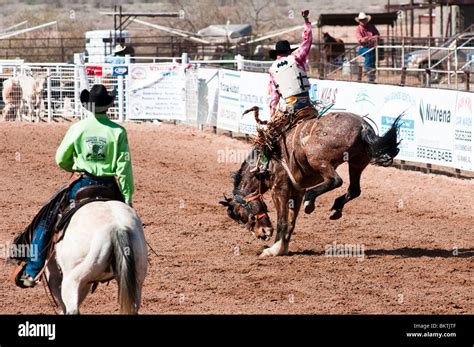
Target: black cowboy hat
[281, 47]
[97, 99]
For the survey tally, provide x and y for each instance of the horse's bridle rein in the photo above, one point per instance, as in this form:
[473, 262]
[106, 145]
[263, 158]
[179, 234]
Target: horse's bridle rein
[245, 202]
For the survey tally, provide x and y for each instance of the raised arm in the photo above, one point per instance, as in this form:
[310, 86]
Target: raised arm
[301, 54]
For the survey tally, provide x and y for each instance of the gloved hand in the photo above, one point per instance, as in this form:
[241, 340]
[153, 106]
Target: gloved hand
[305, 14]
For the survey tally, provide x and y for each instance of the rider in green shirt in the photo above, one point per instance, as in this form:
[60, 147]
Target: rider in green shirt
[97, 148]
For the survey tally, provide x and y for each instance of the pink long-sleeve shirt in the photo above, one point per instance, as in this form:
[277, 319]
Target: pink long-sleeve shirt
[301, 56]
[366, 35]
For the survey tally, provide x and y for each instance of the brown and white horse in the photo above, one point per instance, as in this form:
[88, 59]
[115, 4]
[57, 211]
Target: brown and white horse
[305, 169]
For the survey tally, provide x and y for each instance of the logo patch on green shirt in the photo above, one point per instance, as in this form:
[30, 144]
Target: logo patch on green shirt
[96, 148]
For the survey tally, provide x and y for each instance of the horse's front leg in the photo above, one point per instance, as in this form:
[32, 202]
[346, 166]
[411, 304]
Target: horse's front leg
[281, 199]
[294, 205]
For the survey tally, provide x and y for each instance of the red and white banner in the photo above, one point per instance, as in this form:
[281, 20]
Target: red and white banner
[94, 70]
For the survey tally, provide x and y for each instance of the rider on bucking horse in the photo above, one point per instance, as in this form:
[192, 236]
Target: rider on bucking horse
[98, 149]
[289, 83]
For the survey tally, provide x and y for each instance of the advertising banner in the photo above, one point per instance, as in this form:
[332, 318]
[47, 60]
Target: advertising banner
[229, 111]
[156, 92]
[463, 157]
[253, 92]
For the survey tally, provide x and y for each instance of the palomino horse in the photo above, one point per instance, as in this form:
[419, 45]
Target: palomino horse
[104, 240]
[305, 167]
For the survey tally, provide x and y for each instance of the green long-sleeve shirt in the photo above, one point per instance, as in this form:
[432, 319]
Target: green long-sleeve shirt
[100, 147]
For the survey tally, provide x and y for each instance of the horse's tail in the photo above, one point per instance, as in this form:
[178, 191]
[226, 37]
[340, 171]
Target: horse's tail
[125, 271]
[382, 149]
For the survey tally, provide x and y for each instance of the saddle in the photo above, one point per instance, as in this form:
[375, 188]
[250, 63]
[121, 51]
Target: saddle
[60, 209]
[267, 139]
[85, 195]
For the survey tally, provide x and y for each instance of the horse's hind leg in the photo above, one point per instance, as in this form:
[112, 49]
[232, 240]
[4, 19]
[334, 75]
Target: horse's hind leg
[331, 180]
[70, 294]
[353, 191]
[54, 277]
[74, 290]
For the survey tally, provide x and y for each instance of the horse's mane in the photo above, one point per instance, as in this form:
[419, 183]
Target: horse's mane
[237, 176]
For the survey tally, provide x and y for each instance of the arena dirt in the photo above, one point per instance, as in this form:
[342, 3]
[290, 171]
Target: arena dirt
[416, 230]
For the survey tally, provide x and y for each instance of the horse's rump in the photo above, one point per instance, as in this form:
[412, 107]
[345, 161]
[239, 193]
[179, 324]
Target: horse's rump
[338, 137]
[104, 240]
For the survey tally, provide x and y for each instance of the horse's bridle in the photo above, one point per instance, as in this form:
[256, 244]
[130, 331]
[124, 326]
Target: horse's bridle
[245, 202]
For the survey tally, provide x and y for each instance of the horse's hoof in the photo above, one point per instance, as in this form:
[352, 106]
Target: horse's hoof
[308, 207]
[335, 215]
[266, 253]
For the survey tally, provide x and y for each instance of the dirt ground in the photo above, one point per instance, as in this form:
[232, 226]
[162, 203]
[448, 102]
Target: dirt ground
[416, 229]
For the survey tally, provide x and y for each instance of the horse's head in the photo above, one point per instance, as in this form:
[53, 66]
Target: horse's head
[250, 211]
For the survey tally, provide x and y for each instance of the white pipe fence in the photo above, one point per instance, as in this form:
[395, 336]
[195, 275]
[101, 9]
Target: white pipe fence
[438, 128]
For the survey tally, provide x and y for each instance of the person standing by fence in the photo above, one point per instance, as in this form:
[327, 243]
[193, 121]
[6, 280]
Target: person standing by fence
[367, 36]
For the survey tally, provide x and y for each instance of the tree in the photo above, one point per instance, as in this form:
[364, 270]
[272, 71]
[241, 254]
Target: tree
[257, 13]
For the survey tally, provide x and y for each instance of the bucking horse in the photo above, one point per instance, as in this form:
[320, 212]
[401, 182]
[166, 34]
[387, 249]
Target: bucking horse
[304, 167]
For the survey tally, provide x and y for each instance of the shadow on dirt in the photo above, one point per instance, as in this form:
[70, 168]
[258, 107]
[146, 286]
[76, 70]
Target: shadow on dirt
[405, 252]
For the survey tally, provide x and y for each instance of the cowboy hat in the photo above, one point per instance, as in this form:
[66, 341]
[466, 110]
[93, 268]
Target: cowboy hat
[119, 48]
[97, 99]
[362, 16]
[281, 47]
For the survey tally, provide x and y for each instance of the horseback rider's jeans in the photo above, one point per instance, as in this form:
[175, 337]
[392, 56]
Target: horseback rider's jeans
[41, 236]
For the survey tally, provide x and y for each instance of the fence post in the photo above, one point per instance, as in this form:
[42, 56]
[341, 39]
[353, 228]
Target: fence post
[359, 73]
[125, 104]
[377, 71]
[321, 70]
[77, 84]
[467, 77]
[240, 62]
[63, 55]
[120, 97]
[184, 58]
[428, 77]
[403, 76]
[48, 83]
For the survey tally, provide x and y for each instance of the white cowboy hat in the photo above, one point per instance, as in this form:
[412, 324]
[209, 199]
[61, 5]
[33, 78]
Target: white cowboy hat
[119, 48]
[363, 16]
